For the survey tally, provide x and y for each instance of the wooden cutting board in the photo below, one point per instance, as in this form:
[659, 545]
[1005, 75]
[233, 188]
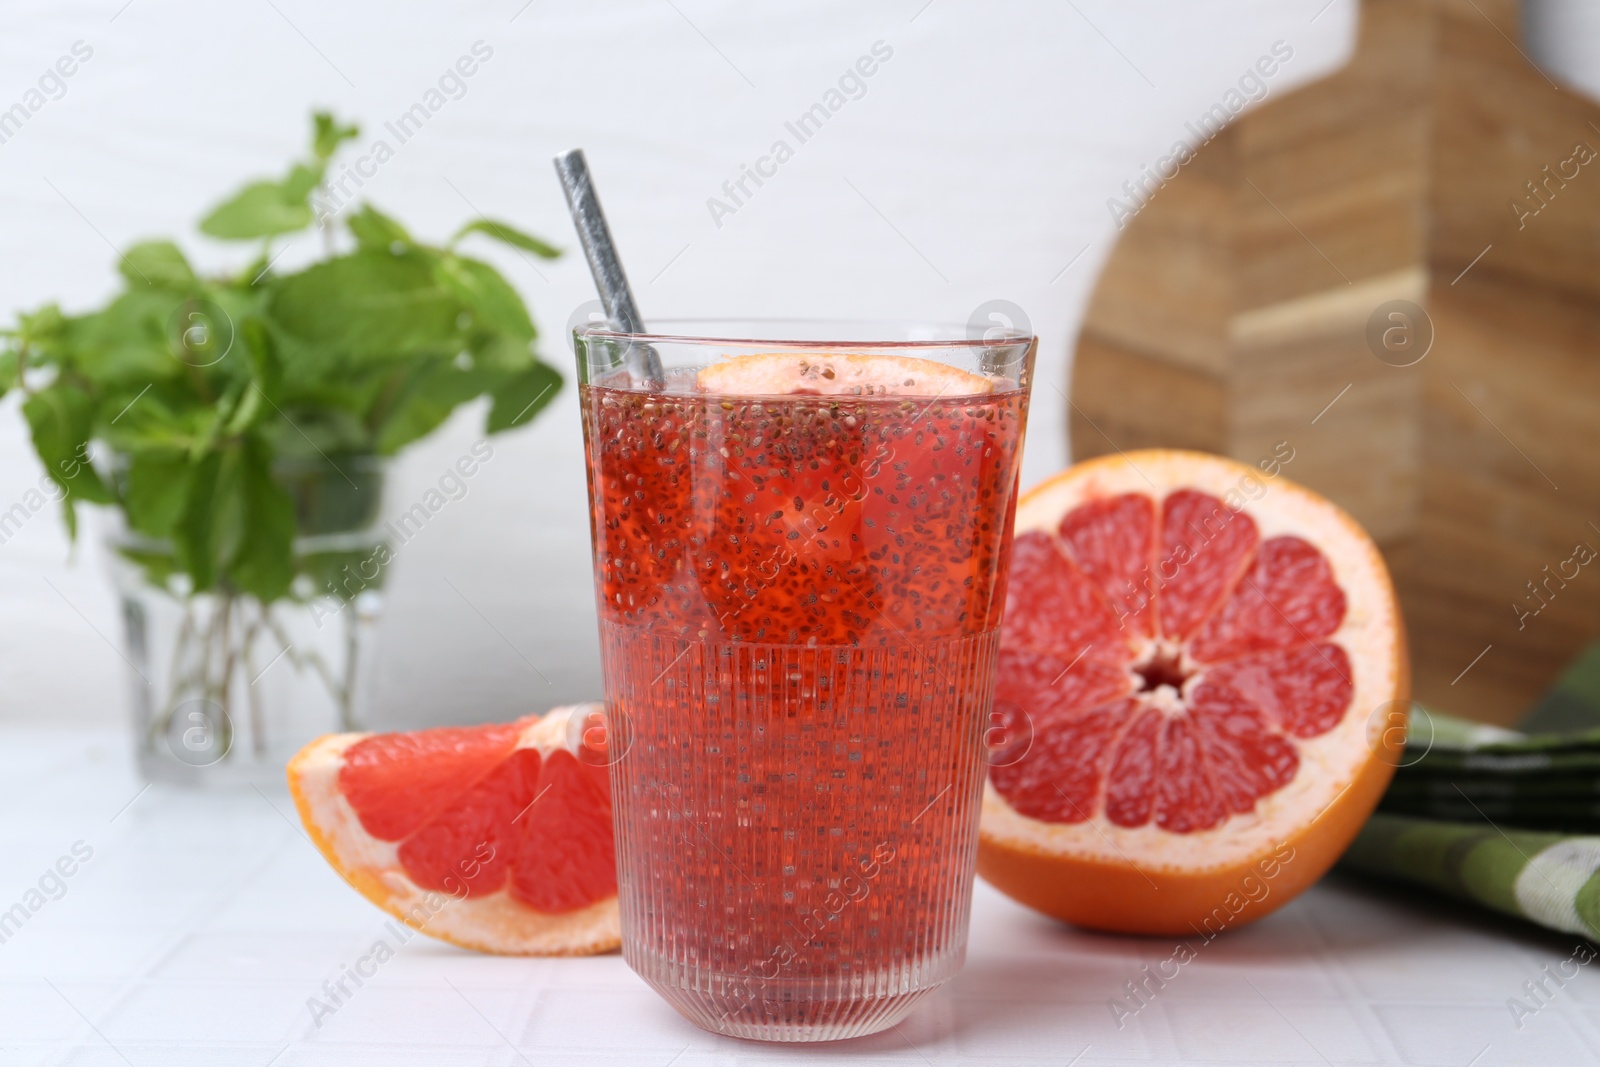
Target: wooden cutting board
[1250, 302]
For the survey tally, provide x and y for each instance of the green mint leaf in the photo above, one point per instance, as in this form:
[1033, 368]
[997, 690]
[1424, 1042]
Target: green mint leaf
[508, 235]
[69, 518]
[124, 343]
[199, 529]
[299, 182]
[486, 294]
[427, 400]
[518, 400]
[369, 305]
[263, 560]
[154, 489]
[504, 353]
[262, 351]
[377, 232]
[247, 412]
[164, 418]
[328, 134]
[158, 264]
[158, 565]
[218, 417]
[61, 419]
[261, 209]
[42, 326]
[309, 430]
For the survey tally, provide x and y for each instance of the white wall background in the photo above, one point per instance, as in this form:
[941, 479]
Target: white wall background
[981, 158]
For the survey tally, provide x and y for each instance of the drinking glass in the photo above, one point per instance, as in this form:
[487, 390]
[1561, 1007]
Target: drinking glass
[799, 600]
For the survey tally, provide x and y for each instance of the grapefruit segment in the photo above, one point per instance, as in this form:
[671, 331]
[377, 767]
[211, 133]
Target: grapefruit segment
[568, 859]
[440, 765]
[1287, 594]
[1131, 790]
[1068, 616]
[477, 822]
[1079, 746]
[1304, 690]
[1250, 760]
[1220, 644]
[1203, 546]
[824, 374]
[1052, 687]
[1113, 541]
[496, 838]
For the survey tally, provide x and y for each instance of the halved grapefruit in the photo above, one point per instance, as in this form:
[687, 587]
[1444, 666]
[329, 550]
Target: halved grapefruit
[844, 374]
[1199, 666]
[496, 837]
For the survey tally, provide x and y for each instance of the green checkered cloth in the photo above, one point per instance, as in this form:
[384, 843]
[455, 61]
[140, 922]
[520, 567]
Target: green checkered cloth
[1503, 818]
[1551, 878]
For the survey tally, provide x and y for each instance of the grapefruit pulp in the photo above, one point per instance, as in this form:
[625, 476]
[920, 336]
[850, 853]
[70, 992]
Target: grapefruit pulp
[1198, 671]
[495, 837]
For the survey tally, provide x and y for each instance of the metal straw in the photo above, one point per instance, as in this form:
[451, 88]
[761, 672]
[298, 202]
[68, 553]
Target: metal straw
[644, 363]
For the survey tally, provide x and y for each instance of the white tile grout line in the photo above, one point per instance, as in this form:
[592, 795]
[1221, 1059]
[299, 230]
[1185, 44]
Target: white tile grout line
[126, 985]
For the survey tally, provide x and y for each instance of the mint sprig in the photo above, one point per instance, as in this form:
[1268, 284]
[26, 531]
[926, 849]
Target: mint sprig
[203, 387]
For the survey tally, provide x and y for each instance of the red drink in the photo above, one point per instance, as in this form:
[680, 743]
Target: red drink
[800, 604]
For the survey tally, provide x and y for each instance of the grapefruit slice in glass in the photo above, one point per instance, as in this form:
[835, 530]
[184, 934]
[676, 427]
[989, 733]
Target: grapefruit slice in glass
[496, 837]
[843, 374]
[1201, 668]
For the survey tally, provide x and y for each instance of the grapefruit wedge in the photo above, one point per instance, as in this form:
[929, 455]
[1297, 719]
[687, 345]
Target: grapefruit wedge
[1200, 672]
[496, 838]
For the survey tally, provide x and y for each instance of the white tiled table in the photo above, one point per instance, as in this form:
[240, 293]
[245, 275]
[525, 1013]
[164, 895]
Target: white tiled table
[203, 923]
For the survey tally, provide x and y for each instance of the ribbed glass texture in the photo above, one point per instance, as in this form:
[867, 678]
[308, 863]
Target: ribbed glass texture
[797, 826]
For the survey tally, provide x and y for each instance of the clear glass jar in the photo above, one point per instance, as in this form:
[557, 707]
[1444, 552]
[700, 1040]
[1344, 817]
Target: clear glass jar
[226, 688]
